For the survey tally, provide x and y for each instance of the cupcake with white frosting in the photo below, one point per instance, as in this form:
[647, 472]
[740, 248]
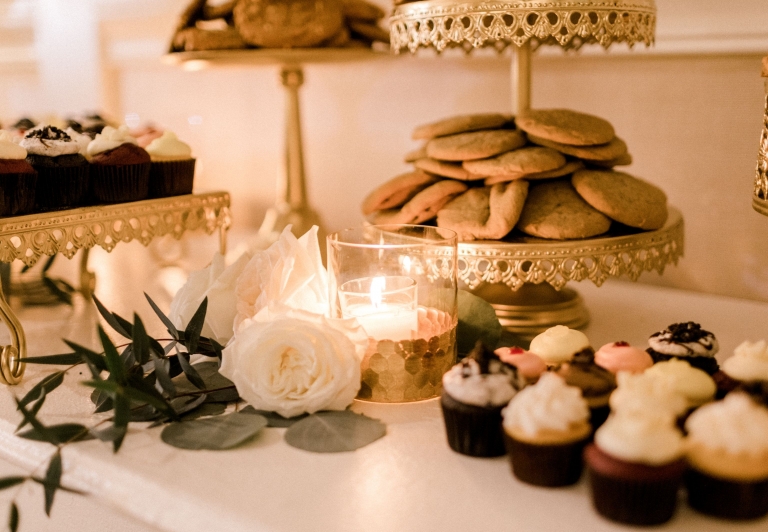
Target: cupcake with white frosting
[17, 178]
[119, 167]
[636, 466]
[173, 168]
[474, 392]
[559, 344]
[746, 370]
[727, 451]
[638, 391]
[686, 341]
[546, 427]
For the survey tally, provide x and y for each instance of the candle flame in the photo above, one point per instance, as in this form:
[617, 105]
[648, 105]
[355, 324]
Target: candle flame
[377, 287]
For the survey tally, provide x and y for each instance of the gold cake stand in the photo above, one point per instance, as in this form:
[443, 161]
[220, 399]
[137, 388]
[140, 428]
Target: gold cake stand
[760, 191]
[28, 238]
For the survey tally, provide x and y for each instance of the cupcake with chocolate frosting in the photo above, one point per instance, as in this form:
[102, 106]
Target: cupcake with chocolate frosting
[474, 392]
[686, 341]
[596, 384]
[62, 173]
[173, 168]
[17, 178]
[120, 168]
[559, 344]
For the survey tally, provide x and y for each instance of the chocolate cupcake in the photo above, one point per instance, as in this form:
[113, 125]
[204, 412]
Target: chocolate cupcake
[119, 167]
[546, 427]
[687, 341]
[727, 453]
[529, 365]
[173, 168]
[62, 173]
[17, 178]
[474, 392]
[595, 383]
[559, 344]
[636, 467]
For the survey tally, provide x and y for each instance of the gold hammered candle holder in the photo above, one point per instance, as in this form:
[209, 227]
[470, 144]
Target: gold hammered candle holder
[400, 283]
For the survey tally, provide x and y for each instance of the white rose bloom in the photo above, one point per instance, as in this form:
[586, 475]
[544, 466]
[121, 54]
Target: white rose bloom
[298, 362]
[290, 272]
[217, 282]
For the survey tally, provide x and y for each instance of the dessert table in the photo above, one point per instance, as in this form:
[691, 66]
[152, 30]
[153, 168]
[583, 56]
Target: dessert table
[407, 481]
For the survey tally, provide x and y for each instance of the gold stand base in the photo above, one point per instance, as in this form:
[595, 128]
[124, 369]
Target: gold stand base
[535, 307]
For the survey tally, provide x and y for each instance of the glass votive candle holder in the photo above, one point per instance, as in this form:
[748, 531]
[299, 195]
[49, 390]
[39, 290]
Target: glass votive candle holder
[399, 282]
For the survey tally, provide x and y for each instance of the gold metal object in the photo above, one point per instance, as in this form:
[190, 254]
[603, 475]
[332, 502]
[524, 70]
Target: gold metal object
[28, 238]
[469, 24]
[760, 194]
[410, 370]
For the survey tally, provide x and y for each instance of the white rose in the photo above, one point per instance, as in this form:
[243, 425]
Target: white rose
[298, 362]
[217, 282]
[290, 272]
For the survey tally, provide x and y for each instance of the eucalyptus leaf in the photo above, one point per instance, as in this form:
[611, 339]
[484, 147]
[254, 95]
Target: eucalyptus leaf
[124, 324]
[110, 318]
[9, 482]
[13, 518]
[128, 358]
[120, 420]
[225, 391]
[66, 359]
[63, 433]
[53, 287]
[102, 400]
[214, 433]
[477, 321]
[334, 432]
[510, 339]
[140, 341]
[52, 481]
[92, 357]
[166, 321]
[47, 384]
[162, 367]
[273, 418]
[144, 413]
[114, 364]
[195, 327]
[205, 410]
[182, 405]
[41, 429]
[189, 371]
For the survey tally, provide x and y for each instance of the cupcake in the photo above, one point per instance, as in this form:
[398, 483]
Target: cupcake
[173, 168]
[17, 178]
[636, 467]
[620, 356]
[529, 366]
[595, 383]
[81, 139]
[119, 168]
[696, 387]
[727, 452]
[687, 341]
[546, 427]
[559, 344]
[62, 173]
[749, 363]
[643, 390]
[474, 392]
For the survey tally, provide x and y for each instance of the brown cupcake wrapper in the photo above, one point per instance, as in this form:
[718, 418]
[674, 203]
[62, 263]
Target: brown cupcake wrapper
[171, 178]
[473, 430]
[118, 184]
[707, 364]
[546, 465]
[17, 193]
[61, 188]
[727, 499]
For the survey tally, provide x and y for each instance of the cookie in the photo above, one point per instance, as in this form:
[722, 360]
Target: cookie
[369, 30]
[397, 191]
[474, 145]
[415, 155]
[527, 160]
[425, 205]
[621, 160]
[287, 23]
[339, 40]
[623, 197]
[445, 169]
[461, 124]
[212, 12]
[614, 149]
[484, 213]
[555, 210]
[195, 40]
[566, 126]
[569, 168]
[361, 10]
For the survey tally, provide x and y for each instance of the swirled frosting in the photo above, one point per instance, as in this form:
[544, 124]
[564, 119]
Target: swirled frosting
[694, 384]
[736, 425]
[168, 147]
[9, 149]
[109, 139]
[48, 141]
[645, 391]
[481, 379]
[548, 405]
[684, 340]
[558, 344]
[81, 139]
[645, 437]
[620, 356]
[749, 362]
[528, 364]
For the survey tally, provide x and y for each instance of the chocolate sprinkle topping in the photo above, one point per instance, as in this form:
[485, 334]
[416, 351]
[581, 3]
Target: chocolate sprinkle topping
[489, 363]
[684, 333]
[48, 133]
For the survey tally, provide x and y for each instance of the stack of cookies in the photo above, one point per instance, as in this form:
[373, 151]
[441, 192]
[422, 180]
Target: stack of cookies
[234, 24]
[547, 173]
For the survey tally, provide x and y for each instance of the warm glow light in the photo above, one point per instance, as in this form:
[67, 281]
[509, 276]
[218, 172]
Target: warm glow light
[377, 287]
[132, 120]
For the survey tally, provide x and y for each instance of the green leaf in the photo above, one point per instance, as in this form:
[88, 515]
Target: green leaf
[140, 341]
[182, 405]
[110, 318]
[31, 418]
[102, 400]
[195, 327]
[225, 391]
[120, 420]
[273, 418]
[189, 371]
[477, 321]
[92, 357]
[116, 390]
[9, 482]
[55, 289]
[67, 359]
[63, 433]
[49, 263]
[13, 518]
[205, 410]
[47, 384]
[52, 481]
[125, 324]
[114, 364]
[334, 432]
[510, 339]
[214, 433]
[166, 321]
[162, 368]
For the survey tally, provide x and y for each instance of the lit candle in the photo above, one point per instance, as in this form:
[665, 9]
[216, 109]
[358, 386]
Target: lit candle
[387, 310]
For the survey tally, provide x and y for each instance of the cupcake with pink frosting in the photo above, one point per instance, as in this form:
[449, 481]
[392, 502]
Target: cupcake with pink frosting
[620, 356]
[529, 365]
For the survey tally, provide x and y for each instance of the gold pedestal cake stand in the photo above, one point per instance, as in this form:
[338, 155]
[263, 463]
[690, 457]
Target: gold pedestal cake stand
[760, 193]
[28, 238]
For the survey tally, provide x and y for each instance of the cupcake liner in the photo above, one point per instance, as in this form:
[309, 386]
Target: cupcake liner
[118, 184]
[472, 430]
[61, 187]
[546, 465]
[171, 178]
[18, 193]
[598, 415]
[634, 502]
[728, 499]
